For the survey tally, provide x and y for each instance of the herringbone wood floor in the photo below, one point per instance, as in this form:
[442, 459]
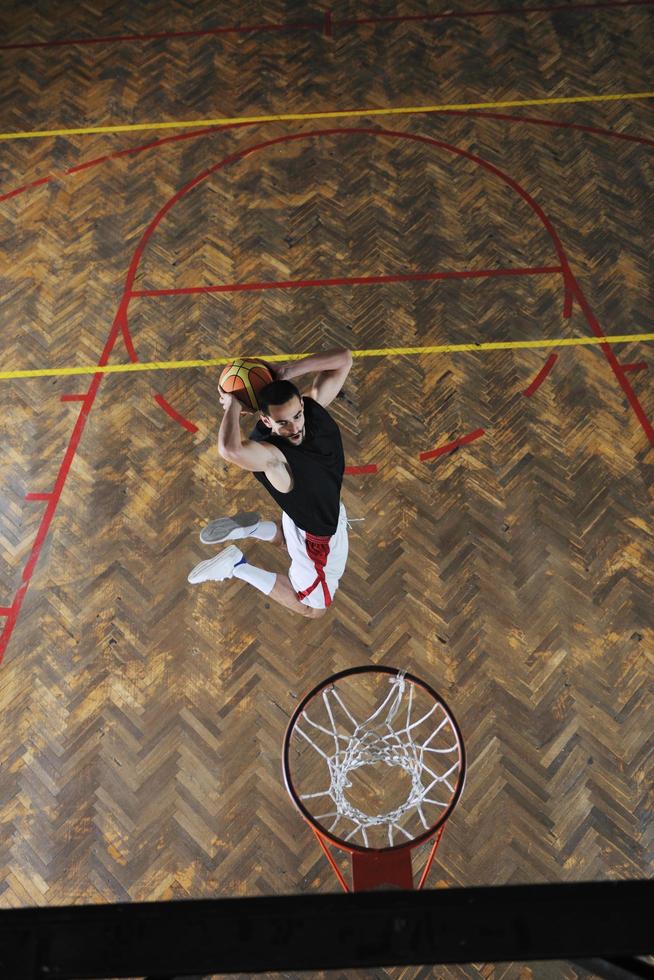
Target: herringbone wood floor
[142, 718]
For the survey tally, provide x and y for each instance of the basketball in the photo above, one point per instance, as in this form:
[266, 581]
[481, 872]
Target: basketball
[244, 379]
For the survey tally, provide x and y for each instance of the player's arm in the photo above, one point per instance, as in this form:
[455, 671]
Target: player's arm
[254, 456]
[331, 370]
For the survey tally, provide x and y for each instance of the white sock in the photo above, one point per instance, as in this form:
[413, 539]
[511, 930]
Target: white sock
[258, 577]
[264, 531]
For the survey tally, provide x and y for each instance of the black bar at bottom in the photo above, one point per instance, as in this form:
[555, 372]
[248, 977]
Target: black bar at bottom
[310, 932]
[621, 968]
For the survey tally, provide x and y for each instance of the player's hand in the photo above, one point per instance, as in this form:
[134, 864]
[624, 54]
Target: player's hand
[226, 400]
[281, 372]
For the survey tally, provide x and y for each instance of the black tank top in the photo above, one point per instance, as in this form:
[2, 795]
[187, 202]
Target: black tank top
[317, 465]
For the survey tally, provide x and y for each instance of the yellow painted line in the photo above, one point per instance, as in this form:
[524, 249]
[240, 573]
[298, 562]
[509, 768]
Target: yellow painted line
[341, 114]
[545, 343]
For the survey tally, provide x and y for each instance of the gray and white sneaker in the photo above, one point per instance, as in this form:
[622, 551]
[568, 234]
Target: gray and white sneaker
[229, 528]
[218, 568]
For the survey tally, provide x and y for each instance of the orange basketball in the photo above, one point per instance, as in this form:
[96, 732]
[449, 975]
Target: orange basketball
[244, 379]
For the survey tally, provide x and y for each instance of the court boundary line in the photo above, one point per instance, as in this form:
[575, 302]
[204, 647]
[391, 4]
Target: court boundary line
[327, 25]
[224, 121]
[472, 347]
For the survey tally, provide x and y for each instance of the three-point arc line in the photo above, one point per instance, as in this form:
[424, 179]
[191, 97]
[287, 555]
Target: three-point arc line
[174, 414]
[451, 446]
[540, 377]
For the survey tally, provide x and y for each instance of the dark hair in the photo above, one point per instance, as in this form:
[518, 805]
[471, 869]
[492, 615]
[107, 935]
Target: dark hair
[276, 393]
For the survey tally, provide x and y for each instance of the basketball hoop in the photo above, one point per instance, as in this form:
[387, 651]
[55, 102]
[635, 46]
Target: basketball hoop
[380, 786]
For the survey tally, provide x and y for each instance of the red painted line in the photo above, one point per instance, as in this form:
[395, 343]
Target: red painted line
[65, 465]
[451, 446]
[570, 280]
[640, 366]
[163, 35]
[5, 610]
[353, 470]
[38, 496]
[129, 151]
[540, 377]
[85, 166]
[314, 25]
[567, 303]
[25, 187]
[73, 398]
[127, 340]
[553, 123]
[502, 12]
[169, 410]
[328, 23]
[350, 281]
[62, 475]
[617, 368]
[52, 504]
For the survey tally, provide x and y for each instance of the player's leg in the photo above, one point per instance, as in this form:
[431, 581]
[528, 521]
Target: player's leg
[316, 563]
[279, 538]
[284, 593]
[245, 524]
[231, 563]
[308, 588]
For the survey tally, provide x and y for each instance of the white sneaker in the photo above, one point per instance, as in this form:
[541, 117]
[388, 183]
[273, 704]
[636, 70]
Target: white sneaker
[229, 528]
[218, 568]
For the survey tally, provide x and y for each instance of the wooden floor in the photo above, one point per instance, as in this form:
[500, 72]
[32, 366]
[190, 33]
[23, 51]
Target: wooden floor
[142, 718]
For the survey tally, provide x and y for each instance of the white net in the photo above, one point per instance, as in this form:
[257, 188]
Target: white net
[385, 779]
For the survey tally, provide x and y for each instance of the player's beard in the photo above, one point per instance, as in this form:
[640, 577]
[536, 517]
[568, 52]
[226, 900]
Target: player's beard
[298, 442]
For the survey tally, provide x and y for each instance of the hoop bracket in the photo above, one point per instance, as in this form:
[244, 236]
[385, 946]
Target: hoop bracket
[381, 869]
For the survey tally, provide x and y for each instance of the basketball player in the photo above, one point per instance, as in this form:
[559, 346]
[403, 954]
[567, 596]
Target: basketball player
[296, 453]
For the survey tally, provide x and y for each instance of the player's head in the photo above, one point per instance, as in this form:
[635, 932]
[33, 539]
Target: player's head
[282, 410]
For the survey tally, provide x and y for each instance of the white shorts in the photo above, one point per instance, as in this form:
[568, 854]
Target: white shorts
[316, 563]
